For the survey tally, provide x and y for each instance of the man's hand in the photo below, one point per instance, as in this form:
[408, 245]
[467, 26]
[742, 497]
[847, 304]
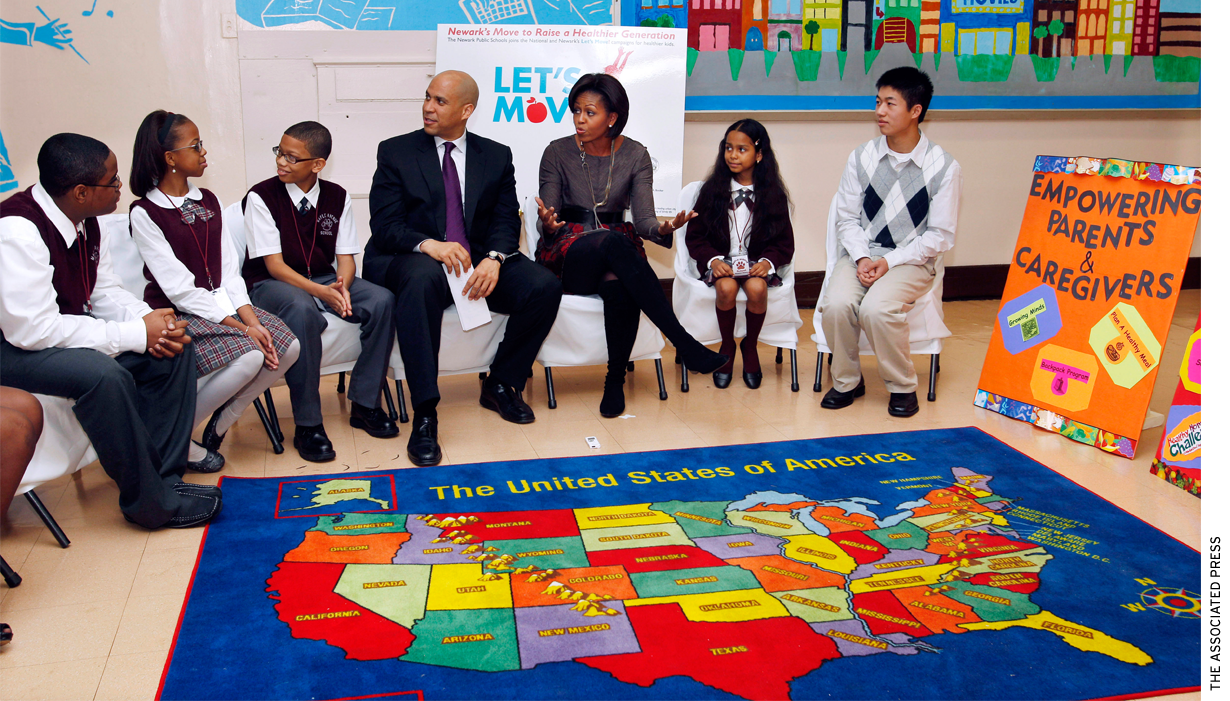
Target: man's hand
[482, 282]
[454, 256]
[164, 336]
[332, 296]
[721, 268]
[546, 215]
[869, 271]
[761, 269]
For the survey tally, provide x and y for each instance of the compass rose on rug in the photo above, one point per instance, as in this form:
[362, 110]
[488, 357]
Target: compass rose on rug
[1172, 601]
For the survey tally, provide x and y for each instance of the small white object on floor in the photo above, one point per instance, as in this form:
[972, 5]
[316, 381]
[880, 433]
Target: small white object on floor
[593, 442]
[1153, 420]
[626, 416]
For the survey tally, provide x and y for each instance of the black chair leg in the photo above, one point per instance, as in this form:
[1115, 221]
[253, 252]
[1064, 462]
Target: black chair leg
[273, 416]
[341, 383]
[388, 398]
[935, 369]
[402, 416]
[11, 577]
[683, 386]
[50, 522]
[550, 388]
[661, 379]
[631, 366]
[794, 369]
[819, 369]
[482, 377]
[779, 356]
[274, 434]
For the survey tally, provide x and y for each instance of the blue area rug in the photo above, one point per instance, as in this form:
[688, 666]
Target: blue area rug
[926, 565]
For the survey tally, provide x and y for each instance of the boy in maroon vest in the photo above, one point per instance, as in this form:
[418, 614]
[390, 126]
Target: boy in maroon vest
[297, 225]
[70, 330]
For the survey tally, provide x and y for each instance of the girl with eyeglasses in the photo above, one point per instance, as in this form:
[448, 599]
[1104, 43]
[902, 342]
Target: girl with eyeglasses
[192, 265]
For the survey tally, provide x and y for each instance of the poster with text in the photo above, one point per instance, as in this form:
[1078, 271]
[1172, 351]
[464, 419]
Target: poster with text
[1178, 454]
[524, 75]
[1093, 284]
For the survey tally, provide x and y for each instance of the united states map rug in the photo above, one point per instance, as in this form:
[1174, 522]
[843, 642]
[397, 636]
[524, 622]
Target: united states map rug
[925, 565]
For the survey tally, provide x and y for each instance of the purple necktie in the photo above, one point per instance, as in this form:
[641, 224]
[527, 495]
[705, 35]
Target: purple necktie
[455, 218]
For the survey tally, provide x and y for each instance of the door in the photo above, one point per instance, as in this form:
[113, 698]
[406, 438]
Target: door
[755, 40]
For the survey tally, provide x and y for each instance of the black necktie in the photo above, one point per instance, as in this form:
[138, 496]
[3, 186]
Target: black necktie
[740, 196]
[304, 206]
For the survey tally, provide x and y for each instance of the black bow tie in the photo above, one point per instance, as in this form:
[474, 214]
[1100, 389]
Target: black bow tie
[741, 196]
[304, 206]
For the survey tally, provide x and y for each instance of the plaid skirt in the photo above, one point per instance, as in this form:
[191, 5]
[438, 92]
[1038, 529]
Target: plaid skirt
[217, 345]
[551, 253]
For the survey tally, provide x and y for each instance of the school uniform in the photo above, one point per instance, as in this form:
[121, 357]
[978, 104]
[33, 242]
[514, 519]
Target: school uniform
[70, 330]
[705, 246]
[309, 229]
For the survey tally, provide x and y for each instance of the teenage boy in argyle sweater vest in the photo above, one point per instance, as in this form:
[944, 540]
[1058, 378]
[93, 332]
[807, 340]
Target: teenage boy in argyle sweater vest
[896, 214]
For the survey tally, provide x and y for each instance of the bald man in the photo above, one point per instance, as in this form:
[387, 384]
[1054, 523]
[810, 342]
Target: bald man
[443, 202]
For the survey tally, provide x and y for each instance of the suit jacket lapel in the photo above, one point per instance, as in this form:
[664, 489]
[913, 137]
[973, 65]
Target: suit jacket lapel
[474, 178]
[429, 165]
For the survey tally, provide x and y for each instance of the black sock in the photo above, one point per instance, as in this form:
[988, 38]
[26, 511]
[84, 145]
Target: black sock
[426, 410]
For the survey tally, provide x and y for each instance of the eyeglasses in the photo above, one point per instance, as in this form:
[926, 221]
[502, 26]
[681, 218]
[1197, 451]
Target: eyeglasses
[199, 147]
[114, 183]
[277, 152]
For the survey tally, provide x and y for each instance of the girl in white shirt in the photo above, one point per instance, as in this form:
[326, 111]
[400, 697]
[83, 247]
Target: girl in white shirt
[192, 265]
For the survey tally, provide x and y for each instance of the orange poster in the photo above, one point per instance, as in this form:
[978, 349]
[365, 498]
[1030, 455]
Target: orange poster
[1093, 284]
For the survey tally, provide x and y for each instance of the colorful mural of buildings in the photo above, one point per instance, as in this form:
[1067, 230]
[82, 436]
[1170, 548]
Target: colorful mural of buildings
[1144, 33]
[1179, 28]
[661, 13]
[822, 25]
[929, 27]
[785, 25]
[980, 27]
[857, 19]
[1091, 27]
[715, 25]
[900, 22]
[1054, 27]
[756, 25]
[1121, 27]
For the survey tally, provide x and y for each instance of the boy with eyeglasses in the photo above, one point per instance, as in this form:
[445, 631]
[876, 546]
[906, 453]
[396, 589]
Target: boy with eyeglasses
[297, 226]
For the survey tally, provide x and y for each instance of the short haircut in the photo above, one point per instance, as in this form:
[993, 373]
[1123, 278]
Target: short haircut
[913, 84]
[315, 136]
[607, 87]
[68, 160]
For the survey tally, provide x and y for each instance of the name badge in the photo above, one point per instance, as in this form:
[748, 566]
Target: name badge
[741, 266]
[223, 300]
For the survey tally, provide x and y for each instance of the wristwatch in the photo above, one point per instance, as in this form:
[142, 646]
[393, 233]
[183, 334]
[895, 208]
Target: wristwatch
[497, 257]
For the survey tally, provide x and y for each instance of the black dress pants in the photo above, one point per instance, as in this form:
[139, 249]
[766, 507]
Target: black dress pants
[136, 409]
[525, 291]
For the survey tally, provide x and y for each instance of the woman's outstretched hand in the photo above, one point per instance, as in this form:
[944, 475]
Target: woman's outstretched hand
[550, 222]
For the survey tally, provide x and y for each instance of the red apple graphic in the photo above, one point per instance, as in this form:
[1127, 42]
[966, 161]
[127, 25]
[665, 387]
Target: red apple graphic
[535, 110]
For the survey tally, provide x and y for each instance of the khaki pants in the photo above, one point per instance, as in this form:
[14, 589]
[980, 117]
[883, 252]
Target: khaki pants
[848, 308]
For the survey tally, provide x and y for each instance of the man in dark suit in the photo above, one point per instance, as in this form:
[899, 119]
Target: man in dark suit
[441, 198]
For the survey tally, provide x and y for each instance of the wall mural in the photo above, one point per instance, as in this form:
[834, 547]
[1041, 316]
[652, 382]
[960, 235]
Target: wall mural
[421, 14]
[1006, 54]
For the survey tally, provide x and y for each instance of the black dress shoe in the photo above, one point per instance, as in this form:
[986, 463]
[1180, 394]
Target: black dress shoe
[836, 399]
[501, 398]
[721, 380]
[702, 360]
[194, 510]
[752, 379]
[201, 490]
[424, 448]
[313, 444]
[612, 405]
[210, 440]
[374, 421]
[212, 462]
[902, 404]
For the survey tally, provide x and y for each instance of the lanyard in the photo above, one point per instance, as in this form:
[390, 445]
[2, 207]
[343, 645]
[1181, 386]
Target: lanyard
[741, 235]
[82, 243]
[307, 255]
[203, 251]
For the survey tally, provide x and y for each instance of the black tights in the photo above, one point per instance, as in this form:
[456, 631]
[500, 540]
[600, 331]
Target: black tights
[608, 264]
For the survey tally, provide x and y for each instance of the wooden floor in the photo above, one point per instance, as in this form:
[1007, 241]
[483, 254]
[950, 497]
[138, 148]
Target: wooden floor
[95, 621]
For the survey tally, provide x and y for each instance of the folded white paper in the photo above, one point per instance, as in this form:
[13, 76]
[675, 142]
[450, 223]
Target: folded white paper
[473, 313]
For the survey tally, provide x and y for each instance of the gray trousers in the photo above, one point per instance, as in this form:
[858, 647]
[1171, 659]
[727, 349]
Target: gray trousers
[137, 410]
[848, 308]
[372, 307]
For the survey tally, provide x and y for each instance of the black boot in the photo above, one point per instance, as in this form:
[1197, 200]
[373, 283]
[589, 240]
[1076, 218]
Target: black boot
[621, 319]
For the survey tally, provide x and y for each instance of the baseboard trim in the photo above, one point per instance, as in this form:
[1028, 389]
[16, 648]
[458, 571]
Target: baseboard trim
[960, 282]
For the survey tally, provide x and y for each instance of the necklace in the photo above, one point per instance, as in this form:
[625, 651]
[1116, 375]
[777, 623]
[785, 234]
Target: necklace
[203, 251]
[82, 242]
[606, 195]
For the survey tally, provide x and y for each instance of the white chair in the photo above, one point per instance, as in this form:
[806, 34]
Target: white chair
[694, 301]
[926, 319]
[578, 337]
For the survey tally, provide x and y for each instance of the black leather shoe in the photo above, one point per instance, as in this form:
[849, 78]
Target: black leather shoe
[194, 510]
[212, 462]
[501, 398]
[702, 360]
[374, 421]
[721, 380]
[752, 379]
[424, 448]
[612, 405]
[313, 443]
[210, 440]
[902, 404]
[200, 490]
[836, 399]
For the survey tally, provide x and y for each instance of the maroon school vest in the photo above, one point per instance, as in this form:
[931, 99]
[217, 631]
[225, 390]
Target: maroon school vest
[73, 286]
[296, 229]
[188, 242]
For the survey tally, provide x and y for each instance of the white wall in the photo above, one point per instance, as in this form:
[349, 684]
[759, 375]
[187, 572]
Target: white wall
[170, 54]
